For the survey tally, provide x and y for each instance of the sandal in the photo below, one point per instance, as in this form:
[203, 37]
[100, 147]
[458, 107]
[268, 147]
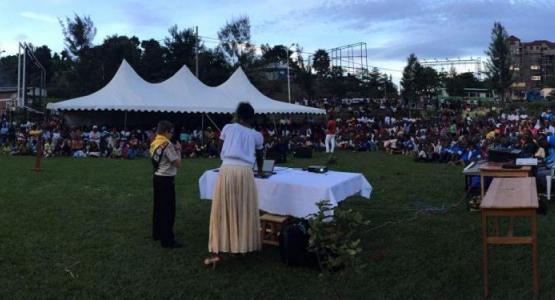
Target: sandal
[211, 261]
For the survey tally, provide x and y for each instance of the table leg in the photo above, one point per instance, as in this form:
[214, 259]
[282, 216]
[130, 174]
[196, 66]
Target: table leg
[485, 250]
[548, 185]
[482, 186]
[497, 227]
[535, 275]
[510, 231]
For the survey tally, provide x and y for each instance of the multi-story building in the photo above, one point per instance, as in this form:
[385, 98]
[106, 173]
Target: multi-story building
[532, 66]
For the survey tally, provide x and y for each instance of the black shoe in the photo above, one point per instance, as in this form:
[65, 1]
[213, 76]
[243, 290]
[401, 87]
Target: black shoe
[172, 245]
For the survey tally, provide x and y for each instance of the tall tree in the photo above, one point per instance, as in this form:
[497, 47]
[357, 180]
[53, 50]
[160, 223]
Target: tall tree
[152, 67]
[427, 82]
[114, 49]
[498, 66]
[408, 81]
[79, 34]
[321, 62]
[235, 41]
[213, 68]
[181, 48]
[275, 54]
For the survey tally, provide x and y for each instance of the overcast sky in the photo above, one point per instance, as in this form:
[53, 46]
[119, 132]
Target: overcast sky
[391, 28]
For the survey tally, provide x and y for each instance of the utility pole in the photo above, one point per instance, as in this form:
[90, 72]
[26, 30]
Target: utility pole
[196, 51]
[288, 78]
[19, 76]
[24, 86]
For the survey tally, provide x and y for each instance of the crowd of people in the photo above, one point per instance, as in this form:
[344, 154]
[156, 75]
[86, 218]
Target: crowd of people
[454, 135]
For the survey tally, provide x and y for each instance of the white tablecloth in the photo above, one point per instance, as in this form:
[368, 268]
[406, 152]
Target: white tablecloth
[295, 192]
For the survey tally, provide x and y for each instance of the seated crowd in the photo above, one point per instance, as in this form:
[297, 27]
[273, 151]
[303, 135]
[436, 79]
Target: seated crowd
[456, 135]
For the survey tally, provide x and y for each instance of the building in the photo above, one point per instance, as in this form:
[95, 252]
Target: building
[8, 98]
[274, 71]
[471, 95]
[532, 65]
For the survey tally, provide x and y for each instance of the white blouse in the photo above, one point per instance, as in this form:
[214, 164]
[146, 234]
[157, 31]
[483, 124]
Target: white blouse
[240, 145]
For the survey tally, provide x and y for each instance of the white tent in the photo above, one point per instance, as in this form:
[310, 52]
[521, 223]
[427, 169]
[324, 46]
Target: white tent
[182, 93]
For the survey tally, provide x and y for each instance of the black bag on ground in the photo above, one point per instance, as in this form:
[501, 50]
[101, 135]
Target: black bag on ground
[293, 244]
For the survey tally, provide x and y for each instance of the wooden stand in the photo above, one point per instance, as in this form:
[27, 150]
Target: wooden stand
[496, 170]
[40, 149]
[511, 197]
[270, 228]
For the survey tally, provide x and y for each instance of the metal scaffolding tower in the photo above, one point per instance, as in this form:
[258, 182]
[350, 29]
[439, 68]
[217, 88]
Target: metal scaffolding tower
[353, 58]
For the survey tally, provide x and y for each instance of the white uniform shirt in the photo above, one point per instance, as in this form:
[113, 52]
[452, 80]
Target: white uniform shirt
[240, 145]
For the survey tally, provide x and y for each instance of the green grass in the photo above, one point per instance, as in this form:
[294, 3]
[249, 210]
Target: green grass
[81, 229]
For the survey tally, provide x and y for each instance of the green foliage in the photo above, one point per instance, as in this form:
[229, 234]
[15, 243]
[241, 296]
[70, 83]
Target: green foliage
[335, 237]
[418, 81]
[84, 67]
[321, 62]
[180, 48]
[79, 34]
[408, 82]
[456, 83]
[498, 66]
[235, 41]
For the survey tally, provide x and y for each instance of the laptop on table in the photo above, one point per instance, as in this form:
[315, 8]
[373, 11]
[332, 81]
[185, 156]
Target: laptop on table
[267, 169]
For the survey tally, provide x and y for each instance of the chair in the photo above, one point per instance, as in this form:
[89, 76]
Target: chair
[270, 228]
[548, 180]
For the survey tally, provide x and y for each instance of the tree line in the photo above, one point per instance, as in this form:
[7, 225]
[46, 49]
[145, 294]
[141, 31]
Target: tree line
[84, 67]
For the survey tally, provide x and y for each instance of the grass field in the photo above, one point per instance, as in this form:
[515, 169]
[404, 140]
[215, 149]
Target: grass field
[81, 229]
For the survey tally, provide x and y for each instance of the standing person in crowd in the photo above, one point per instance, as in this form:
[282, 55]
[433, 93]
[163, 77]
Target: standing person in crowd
[330, 134]
[234, 219]
[166, 161]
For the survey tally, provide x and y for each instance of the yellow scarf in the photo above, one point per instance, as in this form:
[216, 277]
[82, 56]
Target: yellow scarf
[157, 142]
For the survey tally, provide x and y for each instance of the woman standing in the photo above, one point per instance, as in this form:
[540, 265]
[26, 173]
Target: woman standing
[234, 219]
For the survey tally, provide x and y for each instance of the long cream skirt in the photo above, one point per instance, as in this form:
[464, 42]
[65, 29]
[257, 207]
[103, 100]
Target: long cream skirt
[234, 220]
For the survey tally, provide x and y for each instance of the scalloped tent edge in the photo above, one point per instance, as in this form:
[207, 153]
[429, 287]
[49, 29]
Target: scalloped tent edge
[181, 93]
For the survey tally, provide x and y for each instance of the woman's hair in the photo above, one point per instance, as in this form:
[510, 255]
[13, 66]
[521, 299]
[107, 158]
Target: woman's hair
[245, 112]
[164, 127]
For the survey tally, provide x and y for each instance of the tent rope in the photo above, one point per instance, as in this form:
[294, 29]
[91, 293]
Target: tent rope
[212, 121]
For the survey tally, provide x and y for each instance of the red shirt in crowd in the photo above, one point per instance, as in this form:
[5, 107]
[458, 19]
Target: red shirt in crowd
[332, 126]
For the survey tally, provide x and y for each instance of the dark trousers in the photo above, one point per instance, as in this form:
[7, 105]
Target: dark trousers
[163, 216]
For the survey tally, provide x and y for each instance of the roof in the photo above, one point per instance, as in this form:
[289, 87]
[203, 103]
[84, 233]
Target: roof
[539, 43]
[182, 93]
[8, 89]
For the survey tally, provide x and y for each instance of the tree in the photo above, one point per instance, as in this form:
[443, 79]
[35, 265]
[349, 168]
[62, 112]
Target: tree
[152, 66]
[61, 81]
[321, 62]
[79, 34]
[114, 49]
[181, 45]
[336, 82]
[498, 66]
[456, 83]
[276, 54]
[427, 82]
[408, 81]
[213, 67]
[235, 42]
